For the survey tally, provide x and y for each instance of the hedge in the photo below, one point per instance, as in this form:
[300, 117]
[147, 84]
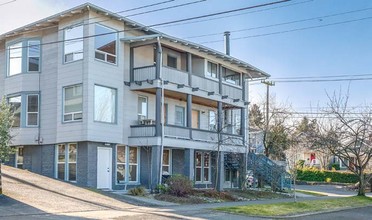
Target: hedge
[313, 174]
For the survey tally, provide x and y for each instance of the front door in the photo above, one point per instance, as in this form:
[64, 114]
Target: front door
[104, 168]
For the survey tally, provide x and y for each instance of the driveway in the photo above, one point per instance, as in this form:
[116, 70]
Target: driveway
[330, 190]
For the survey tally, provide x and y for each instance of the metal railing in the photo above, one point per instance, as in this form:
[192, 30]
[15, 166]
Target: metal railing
[144, 73]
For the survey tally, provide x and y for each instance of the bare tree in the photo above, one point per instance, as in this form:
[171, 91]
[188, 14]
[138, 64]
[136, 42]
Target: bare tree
[348, 136]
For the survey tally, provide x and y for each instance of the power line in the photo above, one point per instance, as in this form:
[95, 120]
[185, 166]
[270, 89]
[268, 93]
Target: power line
[96, 17]
[317, 80]
[280, 24]
[8, 2]
[292, 30]
[317, 77]
[250, 12]
[154, 25]
[170, 7]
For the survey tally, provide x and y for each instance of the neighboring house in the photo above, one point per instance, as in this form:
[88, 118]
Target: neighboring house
[256, 138]
[86, 88]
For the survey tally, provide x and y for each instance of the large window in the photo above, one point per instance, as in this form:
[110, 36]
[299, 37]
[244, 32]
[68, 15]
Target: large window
[105, 44]
[15, 59]
[230, 76]
[66, 161]
[33, 56]
[167, 158]
[142, 107]
[73, 45]
[104, 104]
[180, 116]
[212, 70]
[127, 164]
[202, 167]
[32, 116]
[73, 103]
[16, 106]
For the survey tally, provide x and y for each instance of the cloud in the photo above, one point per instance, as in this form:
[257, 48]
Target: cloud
[22, 12]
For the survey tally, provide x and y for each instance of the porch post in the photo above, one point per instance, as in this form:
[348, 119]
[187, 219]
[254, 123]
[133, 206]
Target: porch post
[131, 64]
[219, 72]
[189, 113]
[221, 171]
[158, 113]
[189, 163]
[158, 56]
[155, 168]
[189, 68]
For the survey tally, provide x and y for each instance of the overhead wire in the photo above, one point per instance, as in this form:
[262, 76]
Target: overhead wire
[8, 2]
[281, 24]
[154, 25]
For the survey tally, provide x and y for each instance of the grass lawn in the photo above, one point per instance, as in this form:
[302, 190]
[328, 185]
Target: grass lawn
[310, 193]
[291, 208]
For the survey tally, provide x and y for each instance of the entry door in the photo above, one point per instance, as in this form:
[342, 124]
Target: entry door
[104, 168]
[195, 119]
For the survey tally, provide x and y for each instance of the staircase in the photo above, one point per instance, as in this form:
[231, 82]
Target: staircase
[267, 170]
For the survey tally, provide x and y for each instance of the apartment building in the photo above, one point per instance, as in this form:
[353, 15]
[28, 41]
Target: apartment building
[105, 102]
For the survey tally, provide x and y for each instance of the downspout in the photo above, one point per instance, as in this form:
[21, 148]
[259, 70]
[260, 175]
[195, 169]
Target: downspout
[162, 110]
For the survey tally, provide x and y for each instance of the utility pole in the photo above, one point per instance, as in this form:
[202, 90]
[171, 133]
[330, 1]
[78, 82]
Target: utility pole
[268, 84]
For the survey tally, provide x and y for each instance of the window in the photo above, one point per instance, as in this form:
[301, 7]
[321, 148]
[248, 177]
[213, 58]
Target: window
[212, 70]
[105, 44]
[66, 161]
[230, 76]
[33, 59]
[104, 104]
[19, 155]
[167, 157]
[202, 167]
[32, 115]
[212, 121]
[142, 107]
[180, 116]
[73, 45]
[127, 166]
[15, 59]
[172, 61]
[16, 106]
[73, 103]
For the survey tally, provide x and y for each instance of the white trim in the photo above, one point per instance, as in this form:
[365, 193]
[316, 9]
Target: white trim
[202, 168]
[170, 165]
[38, 110]
[110, 167]
[64, 101]
[66, 162]
[126, 165]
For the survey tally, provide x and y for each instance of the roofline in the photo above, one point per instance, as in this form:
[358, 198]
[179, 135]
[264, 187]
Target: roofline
[141, 26]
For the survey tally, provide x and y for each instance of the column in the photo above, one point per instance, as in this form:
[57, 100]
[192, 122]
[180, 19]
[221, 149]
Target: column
[189, 163]
[221, 171]
[155, 166]
[189, 68]
[158, 130]
[158, 57]
[219, 72]
[189, 113]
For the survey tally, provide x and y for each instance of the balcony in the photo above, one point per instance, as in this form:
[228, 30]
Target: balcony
[184, 133]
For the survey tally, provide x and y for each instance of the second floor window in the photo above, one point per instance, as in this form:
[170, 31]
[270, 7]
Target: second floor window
[104, 104]
[142, 107]
[32, 116]
[230, 76]
[180, 116]
[73, 46]
[73, 103]
[16, 58]
[212, 70]
[105, 44]
[212, 121]
[16, 106]
[172, 61]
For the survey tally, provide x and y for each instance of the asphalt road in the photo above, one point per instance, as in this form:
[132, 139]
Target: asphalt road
[359, 214]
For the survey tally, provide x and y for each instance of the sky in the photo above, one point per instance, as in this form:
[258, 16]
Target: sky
[333, 50]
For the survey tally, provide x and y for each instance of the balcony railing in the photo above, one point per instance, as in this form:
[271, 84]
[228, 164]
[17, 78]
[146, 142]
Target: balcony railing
[232, 91]
[205, 84]
[144, 73]
[180, 77]
[173, 131]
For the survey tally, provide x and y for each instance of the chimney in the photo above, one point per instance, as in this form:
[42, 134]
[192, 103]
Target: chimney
[227, 42]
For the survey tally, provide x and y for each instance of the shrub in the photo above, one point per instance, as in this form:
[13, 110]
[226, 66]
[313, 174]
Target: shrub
[312, 174]
[138, 191]
[300, 164]
[179, 185]
[160, 188]
[335, 166]
[328, 180]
